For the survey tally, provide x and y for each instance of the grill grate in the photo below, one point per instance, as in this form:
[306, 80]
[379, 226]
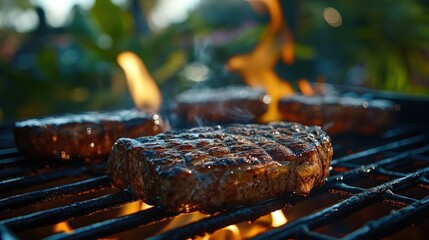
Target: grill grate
[392, 170]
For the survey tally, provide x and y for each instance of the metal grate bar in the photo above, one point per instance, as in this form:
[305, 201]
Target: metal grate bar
[210, 224]
[6, 234]
[9, 152]
[343, 208]
[60, 214]
[5, 161]
[306, 233]
[7, 140]
[116, 225]
[345, 189]
[394, 199]
[398, 131]
[392, 161]
[398, 200]
[425, 182]
[38, 196]
[421, 158]
[13, 171]
[22, 182]
[378, 149]
[393, 222]
[389, 173]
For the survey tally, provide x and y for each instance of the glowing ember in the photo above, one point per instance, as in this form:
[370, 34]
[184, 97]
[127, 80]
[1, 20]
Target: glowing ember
[62, 227]
[143, 88]
[257, 67]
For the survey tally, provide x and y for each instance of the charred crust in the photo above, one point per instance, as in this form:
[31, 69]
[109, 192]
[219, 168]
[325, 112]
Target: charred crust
[87, 135]
[194, 168]
[340, 114]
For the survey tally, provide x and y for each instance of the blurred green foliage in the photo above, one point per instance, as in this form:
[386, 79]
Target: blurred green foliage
[389, 40]
[380, 44]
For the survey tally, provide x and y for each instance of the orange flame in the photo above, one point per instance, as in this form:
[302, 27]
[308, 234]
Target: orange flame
[243, 230]
[278, 218]
[277, 26]
[141, 85]
[257, 67]
[229, 232]
[62, 227]
[305, 87]
[132, 208]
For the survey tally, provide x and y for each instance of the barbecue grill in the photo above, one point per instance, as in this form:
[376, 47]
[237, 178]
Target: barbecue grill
[377, 187]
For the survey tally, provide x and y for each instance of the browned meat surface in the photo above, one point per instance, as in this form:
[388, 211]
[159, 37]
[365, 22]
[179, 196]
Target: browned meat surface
[88, 135]
[209, 168]
[338, 114]
[236, 104]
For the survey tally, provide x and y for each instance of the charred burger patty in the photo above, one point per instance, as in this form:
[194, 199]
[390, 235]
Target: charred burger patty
[208, 168]
[86, 135]
[233, 104]
[339, 114]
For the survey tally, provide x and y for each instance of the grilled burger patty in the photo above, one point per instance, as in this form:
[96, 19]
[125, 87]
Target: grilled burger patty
[209, 168]
[234, 104]
[338, 114]
[86, 135]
